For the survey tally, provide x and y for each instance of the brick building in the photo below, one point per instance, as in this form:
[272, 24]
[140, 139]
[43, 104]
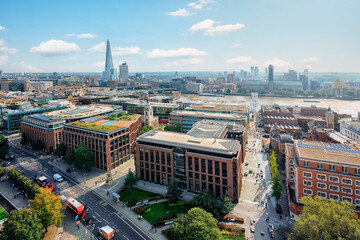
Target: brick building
[42, 128]
[200, 164]
[328, 170]
[111, 141]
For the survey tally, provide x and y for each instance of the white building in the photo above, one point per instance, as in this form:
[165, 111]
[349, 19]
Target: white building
[194, 87]
[351, 130]
[124, 72]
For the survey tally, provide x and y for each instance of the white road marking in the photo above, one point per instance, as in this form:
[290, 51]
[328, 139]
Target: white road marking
[106, 221]
[131, 227]
[126, 237]
[97, 214]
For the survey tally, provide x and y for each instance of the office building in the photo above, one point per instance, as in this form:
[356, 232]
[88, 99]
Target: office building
[109, 73]
[200, 164]
[256, 72]
[252, 70]
[271, 79]
[291, 76]
[306, 73]
[328, 170]
[305, 81]
[351, 130]
[266, 73]
[231, 78]
[314, 85]
[42, 128]
[123, 72]
[111, 141]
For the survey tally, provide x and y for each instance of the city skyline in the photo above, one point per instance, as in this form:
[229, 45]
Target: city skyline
[179, 36]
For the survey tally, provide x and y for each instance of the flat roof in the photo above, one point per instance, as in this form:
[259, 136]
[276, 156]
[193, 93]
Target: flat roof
[210, 115]
[44, 118]
[81, 112]
[212, 107]
[215, 145]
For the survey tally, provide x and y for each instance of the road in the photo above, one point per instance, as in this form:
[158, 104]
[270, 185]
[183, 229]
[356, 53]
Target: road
[100, 211]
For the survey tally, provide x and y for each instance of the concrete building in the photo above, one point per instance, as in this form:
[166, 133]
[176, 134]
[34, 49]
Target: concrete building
[123, 72]
[231, 78]
[351, 130]
[200, 164]
[291, 76]
[271, 79]
[328, 170]
[111, 141]
[42, 128]
[194, 87]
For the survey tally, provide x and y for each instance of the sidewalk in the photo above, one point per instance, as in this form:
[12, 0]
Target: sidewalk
[8, 192]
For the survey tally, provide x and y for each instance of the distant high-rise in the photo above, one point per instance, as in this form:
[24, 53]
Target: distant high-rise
[225, 74]
[306, 73]
[290, 76]
[231, 78]
[256, 72]
[305, 81]
[109, 73]
[123, 72]
[271, 78]
[266, 72]
[252, 70]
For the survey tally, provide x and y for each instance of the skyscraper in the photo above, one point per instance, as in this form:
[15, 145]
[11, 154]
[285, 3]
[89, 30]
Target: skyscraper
[256, 72]
[271, 78]
[266, 72]
[252, 68]
[306, 73]
[124, 72]
[109, 73]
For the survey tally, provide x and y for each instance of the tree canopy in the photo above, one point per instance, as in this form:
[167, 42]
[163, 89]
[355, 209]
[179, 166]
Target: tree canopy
[326, 220]
[60, 150]
[145, 129]
[174, 191]
[275, 178]
[226, 205]
[48, 207]
[22, 224]
[207, 202]
[197, 224]
[130, 179]
[4, 146]
[83, 157]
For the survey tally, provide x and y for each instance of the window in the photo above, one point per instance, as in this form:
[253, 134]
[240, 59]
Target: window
[196, 160]
[307, 191]
[346, 190]
[320, 166]
[334, 196]
[217, 168]
[210, 167]
[307, 183]
[203, 167]
[332, 168]
[291, 169]
[357, 183]
[333, 179]
[306, 163]
[357, 202]
[224, 169]
[291, 177]
[346, 181]
[357, 192]
[321, 185]
[321, 194]
[292, 162]
[344, 170]
[321, 177]
[349, 199]
[357, 171]
[307, 174]
[334, 188]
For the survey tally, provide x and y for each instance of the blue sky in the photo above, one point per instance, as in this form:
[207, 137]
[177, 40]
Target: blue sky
[163, 35]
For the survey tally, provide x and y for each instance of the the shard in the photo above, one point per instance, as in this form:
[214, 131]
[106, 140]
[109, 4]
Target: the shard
[109, 73]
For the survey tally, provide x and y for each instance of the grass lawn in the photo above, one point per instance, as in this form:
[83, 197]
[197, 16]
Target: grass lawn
[231, 237]
[130, 193]
[162, 209]
[3, 214]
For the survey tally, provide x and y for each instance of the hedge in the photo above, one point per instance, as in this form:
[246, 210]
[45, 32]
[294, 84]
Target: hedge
[140, 210]
[23, 182]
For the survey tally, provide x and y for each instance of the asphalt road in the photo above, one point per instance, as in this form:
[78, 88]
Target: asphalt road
[100, 211]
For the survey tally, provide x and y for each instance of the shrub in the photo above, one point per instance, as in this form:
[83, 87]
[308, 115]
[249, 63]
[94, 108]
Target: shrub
[2, 171]
[140, 210]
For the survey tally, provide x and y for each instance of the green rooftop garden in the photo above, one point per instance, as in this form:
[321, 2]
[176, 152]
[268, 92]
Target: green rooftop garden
[104, 128]
[121, 117]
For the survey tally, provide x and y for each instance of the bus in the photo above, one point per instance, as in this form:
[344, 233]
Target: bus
[45, 183]
[75, 208]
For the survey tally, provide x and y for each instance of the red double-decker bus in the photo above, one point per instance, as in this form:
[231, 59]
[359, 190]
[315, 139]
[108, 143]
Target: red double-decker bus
[45, 183]
[75, 208]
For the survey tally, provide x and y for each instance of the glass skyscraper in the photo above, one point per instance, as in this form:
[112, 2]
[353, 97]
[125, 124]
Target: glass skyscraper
[109, 73]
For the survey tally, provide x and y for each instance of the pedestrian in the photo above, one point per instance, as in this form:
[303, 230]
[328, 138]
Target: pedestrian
[266, 204]
[78, 226]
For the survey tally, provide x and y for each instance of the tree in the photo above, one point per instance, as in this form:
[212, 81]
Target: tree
[207, 202]
[226, 205]
[326, 219]
[174, 191]
[83, 157]
[48, 207]
[275, 178]
[130, 179]
[4, 146]
[23, 139]
[2, 171]
[197, 224]
[37, 145]
[60, 150]
[22, 224]
[69, 157]
[167, 128]
[177, 128]
[145, 129]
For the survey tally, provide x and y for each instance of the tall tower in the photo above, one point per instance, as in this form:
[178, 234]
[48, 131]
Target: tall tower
[123, 72]
[329, 118]
[271, 78]
[148, 112]
[109, 73]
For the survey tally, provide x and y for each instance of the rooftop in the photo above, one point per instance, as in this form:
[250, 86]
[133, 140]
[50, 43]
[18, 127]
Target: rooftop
[212, 107]
[215, 145]
[43, 118]
[210, 115]
[82, 112]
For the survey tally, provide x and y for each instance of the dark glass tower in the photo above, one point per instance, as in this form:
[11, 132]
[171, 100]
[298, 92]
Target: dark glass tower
[109, 73]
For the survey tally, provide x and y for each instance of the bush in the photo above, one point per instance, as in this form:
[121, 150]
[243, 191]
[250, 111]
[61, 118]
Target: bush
[162, 220]
[140, 210]
[2, 171]
[230, 227]
[23, 182]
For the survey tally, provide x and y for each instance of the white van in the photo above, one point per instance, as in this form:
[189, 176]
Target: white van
[57, 177]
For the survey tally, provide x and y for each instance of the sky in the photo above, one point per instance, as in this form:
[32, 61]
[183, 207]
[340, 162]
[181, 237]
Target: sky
[194, 35]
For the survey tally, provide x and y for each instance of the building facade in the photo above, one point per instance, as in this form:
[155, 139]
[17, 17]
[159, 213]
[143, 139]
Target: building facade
[199, 164]
[123, 72]
[351, 130]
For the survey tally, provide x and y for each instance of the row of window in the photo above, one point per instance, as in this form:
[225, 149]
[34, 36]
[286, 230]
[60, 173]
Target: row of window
[336, 197]
[334, 188]
[331, 167]
[323, 177]
[195, 163]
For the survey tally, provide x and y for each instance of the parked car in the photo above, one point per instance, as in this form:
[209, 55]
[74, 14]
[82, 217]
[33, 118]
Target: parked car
[5, 164]
[57, 177]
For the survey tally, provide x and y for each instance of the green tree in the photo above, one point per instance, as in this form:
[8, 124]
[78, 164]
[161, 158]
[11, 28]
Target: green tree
[197, 224]
[275, 178]
[226, 205]
[2, 171]
[174, 191]
[37, 145]
[83, 157]
[167, 128]
[69, 157]
[60, 150]
[4, 146]
[23, 139]
[130, 179]
[326, 219]
[145, 129]
[177, 128]
[48, 206]
[207, 202]
[22, 224]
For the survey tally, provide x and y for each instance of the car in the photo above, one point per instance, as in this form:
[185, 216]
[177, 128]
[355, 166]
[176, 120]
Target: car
[10, 157]
[57, 177]
[252, 229]
[5, 164]
[271, 227]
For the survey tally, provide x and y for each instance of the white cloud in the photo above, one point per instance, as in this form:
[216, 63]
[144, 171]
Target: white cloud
[311, 59]
[277, 62]
[182, 12]
[200, 4]
[70, 35]
[100, 47]
[209, 28]
[6, 50]
[55, 48]
[28, 68]
[70, 58]
[235, 45]
[241, 59]
[186, 61]
[2, 28]
[175, 53]
[86, 35]
[116, 51]
[3, 60]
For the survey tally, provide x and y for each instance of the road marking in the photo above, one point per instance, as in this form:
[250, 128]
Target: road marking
[106, 221]
[131, 227]
[97, 214]
[76, 184]
[126, 237]
[96, 219]
[89, 207]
